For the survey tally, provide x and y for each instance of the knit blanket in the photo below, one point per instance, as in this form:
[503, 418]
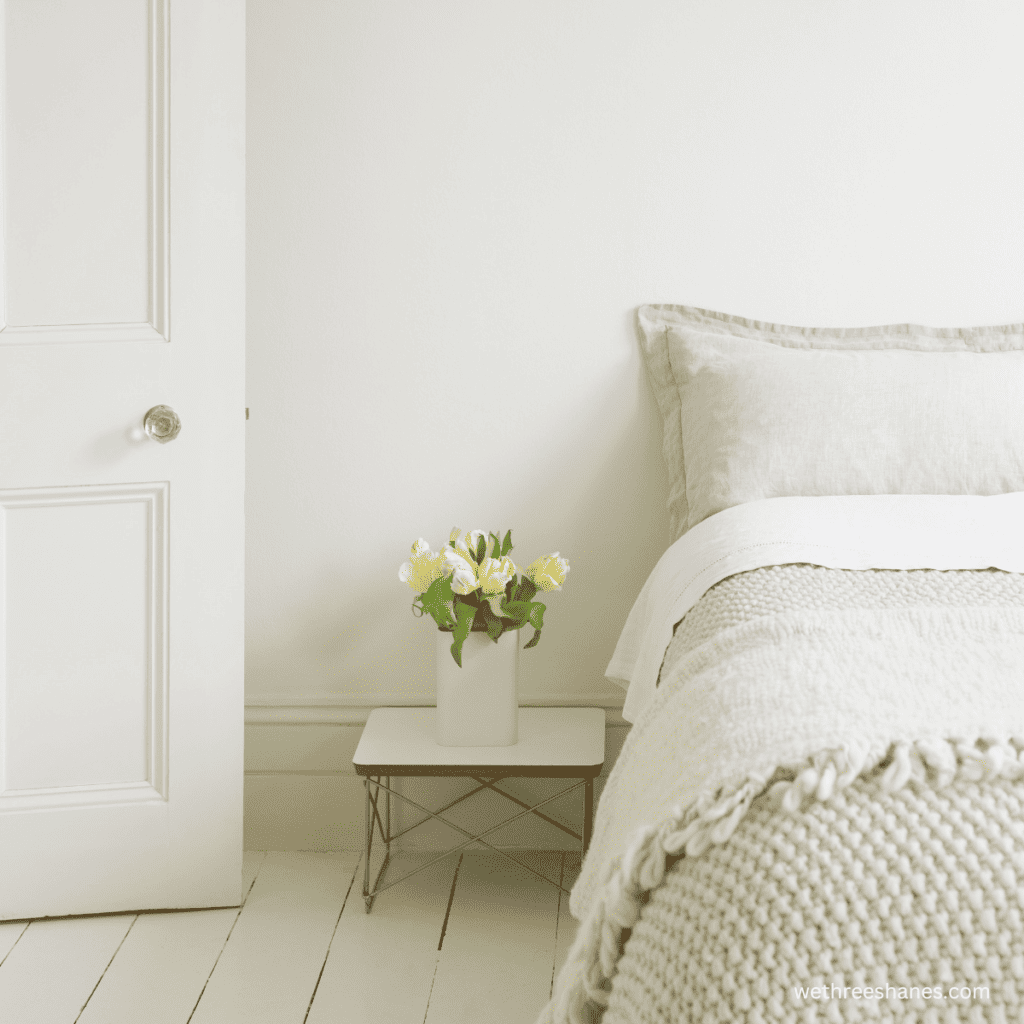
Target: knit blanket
[806, 688]
[879, 906]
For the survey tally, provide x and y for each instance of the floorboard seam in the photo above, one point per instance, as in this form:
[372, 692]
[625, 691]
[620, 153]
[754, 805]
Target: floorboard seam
[16, 941]
[448, 910]
[348, 892]
[227, 939]
[107, 968]
[433, 978]
[245, 895]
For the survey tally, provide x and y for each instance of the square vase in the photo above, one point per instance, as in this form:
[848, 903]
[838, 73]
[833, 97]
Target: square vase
[478, 704]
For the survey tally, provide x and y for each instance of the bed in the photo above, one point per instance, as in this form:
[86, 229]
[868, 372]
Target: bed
[818, 814]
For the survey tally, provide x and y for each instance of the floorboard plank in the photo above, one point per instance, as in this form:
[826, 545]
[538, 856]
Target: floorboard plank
[159, 972]
[269, 968]
[498, 951]
[161, 968]
[50, 973]
[381, 964]
[10, 932]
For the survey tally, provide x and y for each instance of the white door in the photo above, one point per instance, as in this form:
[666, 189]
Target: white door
[121, 559]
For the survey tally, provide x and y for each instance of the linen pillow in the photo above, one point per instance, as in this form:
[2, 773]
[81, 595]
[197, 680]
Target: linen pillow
[757, 410]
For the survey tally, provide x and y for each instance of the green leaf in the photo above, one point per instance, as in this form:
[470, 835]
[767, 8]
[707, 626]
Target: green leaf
[439, 590]
[443, 618]
[506, 545]
[516, 612]
[481, 549]
[537, 615]
[495, 627]
[466, 612]
[534, 640]
[517, 609]
[496, 550]
[526, 589]
[436, 600]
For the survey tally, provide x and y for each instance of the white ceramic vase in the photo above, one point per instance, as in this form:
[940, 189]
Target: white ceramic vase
[478, 704]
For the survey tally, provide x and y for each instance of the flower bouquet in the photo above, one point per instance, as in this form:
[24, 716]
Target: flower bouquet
[472, 584]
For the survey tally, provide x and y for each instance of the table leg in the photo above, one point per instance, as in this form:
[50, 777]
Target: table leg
[366, 848]
[588, 813]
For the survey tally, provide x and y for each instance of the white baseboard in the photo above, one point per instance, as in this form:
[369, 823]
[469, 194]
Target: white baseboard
[353, 708]
[302, 792]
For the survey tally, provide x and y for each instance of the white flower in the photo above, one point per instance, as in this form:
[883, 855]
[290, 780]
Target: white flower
[549, 572]
[464, 575]
[495, 573]
[470, 543]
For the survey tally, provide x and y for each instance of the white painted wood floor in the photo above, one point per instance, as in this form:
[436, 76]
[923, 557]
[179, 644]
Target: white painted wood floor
[466, 941]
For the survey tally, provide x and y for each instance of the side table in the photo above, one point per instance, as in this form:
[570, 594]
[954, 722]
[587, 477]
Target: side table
[554, 743]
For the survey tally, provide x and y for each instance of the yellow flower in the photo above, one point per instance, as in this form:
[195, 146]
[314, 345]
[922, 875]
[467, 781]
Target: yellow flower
[495, 573]
[549, 572]
[423, 568]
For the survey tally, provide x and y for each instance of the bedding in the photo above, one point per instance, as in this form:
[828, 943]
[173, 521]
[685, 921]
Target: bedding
[825, 786]
[847, 532]
[901, 409]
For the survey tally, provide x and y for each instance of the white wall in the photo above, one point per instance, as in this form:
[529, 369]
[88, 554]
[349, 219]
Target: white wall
[454, 210]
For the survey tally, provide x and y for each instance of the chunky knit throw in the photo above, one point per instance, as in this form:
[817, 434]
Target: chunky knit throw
[827, 732]
[901, 894]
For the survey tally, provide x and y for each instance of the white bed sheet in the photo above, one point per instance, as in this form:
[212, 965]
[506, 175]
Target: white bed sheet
[918, 531]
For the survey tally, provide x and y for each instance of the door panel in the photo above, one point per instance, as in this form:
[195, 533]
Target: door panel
[83, 635]
[121, 559]
[85, 147]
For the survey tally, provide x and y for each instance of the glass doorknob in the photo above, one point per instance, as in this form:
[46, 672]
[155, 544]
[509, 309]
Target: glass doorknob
[162, 424]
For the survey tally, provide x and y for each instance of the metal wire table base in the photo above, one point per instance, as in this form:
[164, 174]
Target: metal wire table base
[382, 825]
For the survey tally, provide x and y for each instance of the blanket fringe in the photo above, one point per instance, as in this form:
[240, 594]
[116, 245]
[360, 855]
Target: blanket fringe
[583, 987]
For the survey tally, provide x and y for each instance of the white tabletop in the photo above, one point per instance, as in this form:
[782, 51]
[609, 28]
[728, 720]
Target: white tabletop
[548, 737]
